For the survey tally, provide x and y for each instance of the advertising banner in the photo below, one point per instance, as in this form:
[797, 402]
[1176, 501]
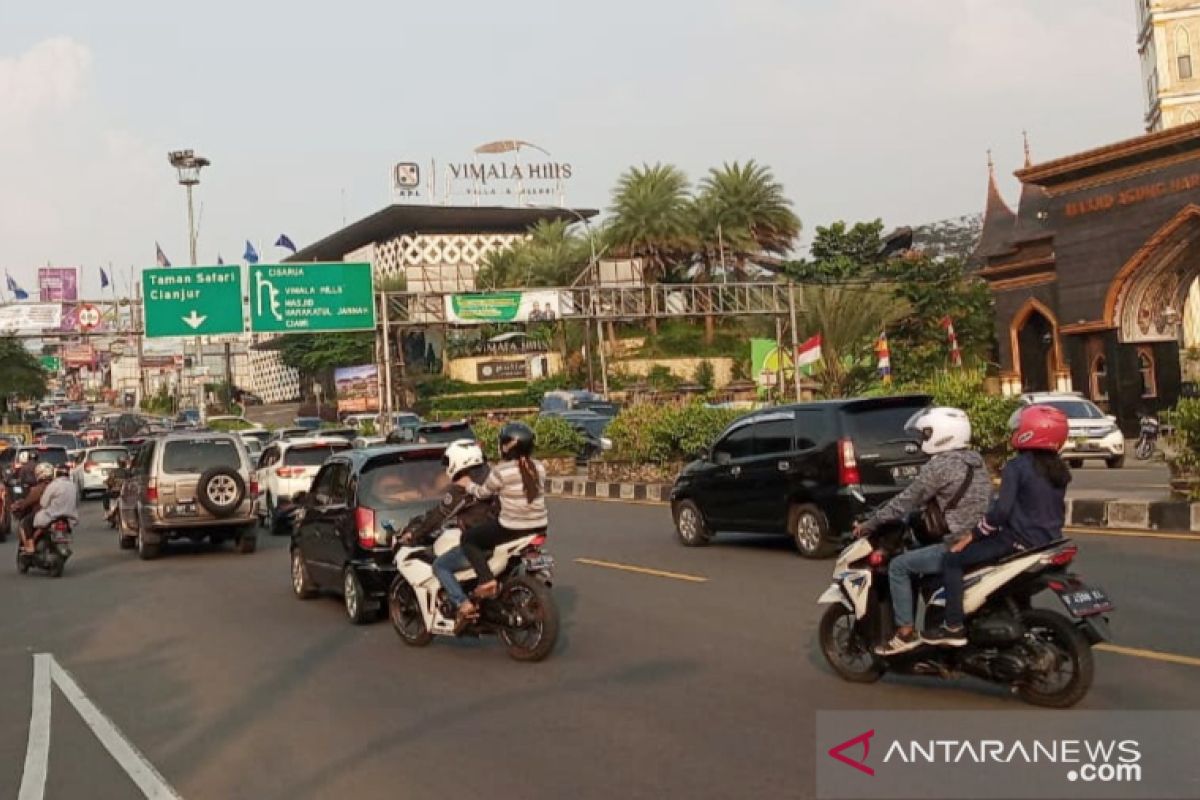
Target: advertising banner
[491, 307]
[486, 371]
[357, 388]
[765, 357]
[58, 284]
[30, 316]
[79, 355]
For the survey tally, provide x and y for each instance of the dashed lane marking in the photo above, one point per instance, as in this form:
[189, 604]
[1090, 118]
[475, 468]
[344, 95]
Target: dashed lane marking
[1153, 655]
[657, 573]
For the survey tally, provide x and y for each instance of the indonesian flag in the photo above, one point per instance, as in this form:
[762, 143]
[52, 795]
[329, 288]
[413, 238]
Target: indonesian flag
[955, 353]
[884, 354]
[808, 354]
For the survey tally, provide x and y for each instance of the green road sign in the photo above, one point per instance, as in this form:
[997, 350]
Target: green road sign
[306, 298]
[192, 301]
[51, 363]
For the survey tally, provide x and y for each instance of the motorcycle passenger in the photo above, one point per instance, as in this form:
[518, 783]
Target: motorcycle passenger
[1029, 512]
[518, 481]
[26, 507]
[463, 458]
[957, 480]
[26, 474]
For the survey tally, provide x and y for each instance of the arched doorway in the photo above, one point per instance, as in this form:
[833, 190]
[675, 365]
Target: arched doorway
[1034, 340]
[1148, 299]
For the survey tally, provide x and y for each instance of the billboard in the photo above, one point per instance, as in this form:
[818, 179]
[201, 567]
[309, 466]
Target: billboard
[489, 307]
[357, 388]
[58, 284]
[765, 357]
[28, 317]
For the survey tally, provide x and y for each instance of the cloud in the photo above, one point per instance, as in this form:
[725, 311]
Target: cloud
[48, 78]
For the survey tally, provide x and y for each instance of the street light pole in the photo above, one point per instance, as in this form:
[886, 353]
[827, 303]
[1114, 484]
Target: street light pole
[188, 165]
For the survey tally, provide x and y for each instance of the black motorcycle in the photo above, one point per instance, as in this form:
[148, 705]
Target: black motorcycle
[51, 549]
[1147, 438]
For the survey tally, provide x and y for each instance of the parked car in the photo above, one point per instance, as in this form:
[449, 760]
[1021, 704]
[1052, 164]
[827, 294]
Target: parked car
[439, 432]
[592, 426]
[340, 544]
[287, 468]
[1094, 435]
[577, 400]
[797, 469]
[92, 471]
[188, 485]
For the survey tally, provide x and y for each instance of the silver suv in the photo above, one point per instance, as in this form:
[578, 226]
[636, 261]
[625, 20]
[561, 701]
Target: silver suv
[188, 486]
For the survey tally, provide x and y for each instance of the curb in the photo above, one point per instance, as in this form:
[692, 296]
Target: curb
[1167, 516]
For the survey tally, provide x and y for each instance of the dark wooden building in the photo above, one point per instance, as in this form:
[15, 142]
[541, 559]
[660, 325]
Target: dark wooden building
[1091, 272]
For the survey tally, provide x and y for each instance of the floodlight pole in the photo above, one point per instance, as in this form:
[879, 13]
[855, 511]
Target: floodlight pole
[188, 165]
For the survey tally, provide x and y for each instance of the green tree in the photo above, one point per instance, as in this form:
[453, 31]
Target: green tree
[553, 255]
[840, 252]
[315, 355]
[849, 319]
[752, 210]
[21, 372]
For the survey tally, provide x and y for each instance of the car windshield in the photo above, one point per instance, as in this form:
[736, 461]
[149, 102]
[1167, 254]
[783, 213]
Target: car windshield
[397, 484]
[198, 455]
[1076, 409]
[436, 434]
[64, 440]
[311, 455]
[106, 456]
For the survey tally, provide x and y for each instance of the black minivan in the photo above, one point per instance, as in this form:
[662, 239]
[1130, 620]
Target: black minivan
[796, 469]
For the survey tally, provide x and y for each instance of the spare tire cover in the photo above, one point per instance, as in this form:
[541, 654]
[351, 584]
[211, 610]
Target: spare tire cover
[220, 490]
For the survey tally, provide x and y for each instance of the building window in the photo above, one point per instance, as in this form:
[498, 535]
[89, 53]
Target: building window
[1100, 379]
[1145, 361]
[1183, 53]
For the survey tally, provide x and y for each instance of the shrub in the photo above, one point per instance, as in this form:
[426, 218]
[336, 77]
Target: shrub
[660, 434]
[705, 375]
[1185, 440]
[555, 437]
[661, 378]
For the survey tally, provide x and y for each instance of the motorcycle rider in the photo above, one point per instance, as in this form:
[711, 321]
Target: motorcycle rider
[518, 481]
[60, 500]
[1029, 512]
[463, 458]
[26, 474]
[957, 480]
[32, 502]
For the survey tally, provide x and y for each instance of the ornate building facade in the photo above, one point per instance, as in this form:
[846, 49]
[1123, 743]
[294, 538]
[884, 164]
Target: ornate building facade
[1168, 44]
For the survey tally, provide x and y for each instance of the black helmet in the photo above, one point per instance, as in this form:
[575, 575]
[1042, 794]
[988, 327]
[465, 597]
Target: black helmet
[516, 440]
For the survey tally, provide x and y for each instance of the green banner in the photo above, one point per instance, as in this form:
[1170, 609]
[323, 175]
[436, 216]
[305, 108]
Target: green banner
[765, 363]
[487, 307]
[51, 363]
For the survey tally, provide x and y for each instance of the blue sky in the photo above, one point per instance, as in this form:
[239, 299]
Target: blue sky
[863, 109]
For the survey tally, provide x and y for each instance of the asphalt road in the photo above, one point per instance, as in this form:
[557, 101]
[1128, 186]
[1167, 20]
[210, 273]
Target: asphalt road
[1137, 480]
[660, 687]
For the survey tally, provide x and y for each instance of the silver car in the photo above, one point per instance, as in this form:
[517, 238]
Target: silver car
[188, 486]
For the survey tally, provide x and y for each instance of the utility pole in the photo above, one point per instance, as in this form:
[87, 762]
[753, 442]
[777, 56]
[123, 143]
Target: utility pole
[188, 166]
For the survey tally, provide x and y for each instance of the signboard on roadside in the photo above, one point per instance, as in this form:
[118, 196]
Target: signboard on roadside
[489, 307]
[51, 363]
[311, 298]
[486, 371]
[58, 284]
[30, 316]
[192, 301]
[79, 355]
[357, 388]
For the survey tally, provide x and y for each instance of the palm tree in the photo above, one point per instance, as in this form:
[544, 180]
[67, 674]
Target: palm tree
[849, 320]
[751, 208]
[711, 241]
[553, 255]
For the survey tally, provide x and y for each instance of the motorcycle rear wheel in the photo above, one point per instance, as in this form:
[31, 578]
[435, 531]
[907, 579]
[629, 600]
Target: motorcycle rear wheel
[850, 656]
[1060, 633]
[405, 614]
[532, 599]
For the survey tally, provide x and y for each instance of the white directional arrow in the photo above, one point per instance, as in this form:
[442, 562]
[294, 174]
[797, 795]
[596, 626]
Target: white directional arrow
[194, 319]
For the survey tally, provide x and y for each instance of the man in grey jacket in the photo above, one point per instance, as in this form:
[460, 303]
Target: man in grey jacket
[61, 499]
[957, 479]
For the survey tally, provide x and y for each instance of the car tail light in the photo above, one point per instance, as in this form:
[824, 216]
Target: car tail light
[152, 491]
[1064, 556]
[364, 523]
[289, 472]
[254, 488]
[877, 558]
[847, 464]
[88, 466]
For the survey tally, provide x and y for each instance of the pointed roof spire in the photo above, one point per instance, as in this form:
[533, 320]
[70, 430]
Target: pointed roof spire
[1028, 157]
[998, 221]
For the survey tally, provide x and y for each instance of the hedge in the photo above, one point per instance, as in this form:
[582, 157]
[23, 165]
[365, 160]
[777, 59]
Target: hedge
[665, 433]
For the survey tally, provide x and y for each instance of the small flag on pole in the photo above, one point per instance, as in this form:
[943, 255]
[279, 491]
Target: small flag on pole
[160, 257]
[808, 354]
[284, 241]
[955, 353]
[104, 281]
[884, 354]
[17, 292]
[251, 255]
[220, 261]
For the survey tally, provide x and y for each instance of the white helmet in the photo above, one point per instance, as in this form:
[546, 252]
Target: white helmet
[462, 454]
[940, 429]
[44, 471]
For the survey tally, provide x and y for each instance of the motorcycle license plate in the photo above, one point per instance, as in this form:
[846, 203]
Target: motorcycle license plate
[906, 472]
[1084, 601]
[542, 563]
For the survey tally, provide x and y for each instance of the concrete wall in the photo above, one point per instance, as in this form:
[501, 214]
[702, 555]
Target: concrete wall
[680, 367]
[466, 369]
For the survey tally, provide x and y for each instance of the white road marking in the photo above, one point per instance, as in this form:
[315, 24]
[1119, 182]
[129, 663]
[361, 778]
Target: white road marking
[47, 671]
[37, 752]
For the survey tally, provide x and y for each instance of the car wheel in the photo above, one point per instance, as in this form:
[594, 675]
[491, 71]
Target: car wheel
[302, 583]
[809, 528]
[355, 599]
[1116, 462]
[1075, 463]
[690, 526]
[147, 551]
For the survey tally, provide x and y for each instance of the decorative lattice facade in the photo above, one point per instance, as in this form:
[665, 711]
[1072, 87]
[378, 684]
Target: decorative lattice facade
[438, 262]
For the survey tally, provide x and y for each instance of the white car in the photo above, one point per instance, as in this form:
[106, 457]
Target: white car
[1094, 435]
[287, 468]
[90, 472]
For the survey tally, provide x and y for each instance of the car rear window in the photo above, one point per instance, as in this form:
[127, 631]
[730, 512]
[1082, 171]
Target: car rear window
[1075, 409]
[880, 424]
[397, 484]
[106, 456]
[437, 434]
[64, 440]
[198, 455]
[311, 455]
[52, 455]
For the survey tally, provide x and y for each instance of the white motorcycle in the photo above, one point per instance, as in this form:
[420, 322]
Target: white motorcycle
[1044, 655]
[523, 614]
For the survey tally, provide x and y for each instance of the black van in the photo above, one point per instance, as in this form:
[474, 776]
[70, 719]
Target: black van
[795, 469]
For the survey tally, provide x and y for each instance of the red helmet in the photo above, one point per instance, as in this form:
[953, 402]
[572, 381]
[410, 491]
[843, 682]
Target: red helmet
[1040, 428]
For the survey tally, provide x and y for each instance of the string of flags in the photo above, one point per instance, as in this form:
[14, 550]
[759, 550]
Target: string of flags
[955, 353]
[884, 356]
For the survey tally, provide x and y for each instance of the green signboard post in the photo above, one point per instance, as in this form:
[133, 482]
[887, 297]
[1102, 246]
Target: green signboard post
[192, 301]
[52, 363]
[307, 298]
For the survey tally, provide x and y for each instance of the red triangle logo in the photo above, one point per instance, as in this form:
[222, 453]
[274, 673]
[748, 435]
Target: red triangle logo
[865, 740]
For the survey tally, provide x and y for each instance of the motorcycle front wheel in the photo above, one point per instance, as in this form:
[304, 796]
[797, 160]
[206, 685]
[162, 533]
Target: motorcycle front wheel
[1145, 449]
[845, 649]
[532, 630]
[1068, 679]
[406, 616]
